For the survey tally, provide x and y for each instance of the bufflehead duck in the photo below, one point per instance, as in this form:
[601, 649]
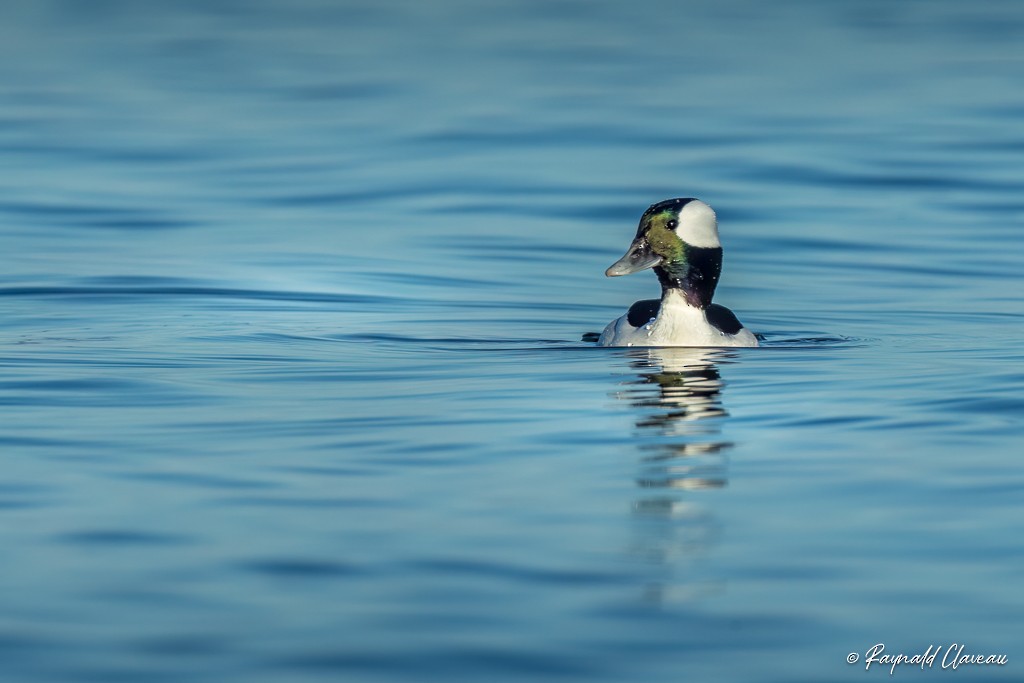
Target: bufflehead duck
[678, 238]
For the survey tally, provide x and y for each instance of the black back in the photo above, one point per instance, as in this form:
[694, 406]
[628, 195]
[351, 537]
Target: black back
[641, 312]
[722, 318]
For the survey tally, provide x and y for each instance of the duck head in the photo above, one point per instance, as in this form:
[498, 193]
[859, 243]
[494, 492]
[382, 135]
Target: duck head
[678, 238]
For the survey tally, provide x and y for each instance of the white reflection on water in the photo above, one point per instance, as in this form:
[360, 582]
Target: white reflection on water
[678, 395]
[678, 392]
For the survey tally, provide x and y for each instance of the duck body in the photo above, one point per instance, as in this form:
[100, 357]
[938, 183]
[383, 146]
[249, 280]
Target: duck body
[674, 322]
[678, 238]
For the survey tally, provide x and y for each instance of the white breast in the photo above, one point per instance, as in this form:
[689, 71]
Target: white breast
[678, 324]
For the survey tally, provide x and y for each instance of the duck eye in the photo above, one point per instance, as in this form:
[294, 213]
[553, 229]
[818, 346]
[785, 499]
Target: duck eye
[672, 224]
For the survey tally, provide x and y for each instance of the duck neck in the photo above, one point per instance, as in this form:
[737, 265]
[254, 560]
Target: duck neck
[694, 277]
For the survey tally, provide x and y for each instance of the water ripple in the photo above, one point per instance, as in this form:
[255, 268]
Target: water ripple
[293, 568]
[122, 537]
[187, 291]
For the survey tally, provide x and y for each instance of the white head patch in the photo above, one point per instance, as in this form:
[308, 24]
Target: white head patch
[698, 226]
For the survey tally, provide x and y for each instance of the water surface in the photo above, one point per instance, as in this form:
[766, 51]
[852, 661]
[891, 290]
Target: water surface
[290, 363]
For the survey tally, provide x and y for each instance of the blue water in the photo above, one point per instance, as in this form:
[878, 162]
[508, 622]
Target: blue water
[291, 306]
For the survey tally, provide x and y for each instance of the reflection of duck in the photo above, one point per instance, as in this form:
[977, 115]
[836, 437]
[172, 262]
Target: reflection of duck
[677, 395]
[687, 451]
[678, 238]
